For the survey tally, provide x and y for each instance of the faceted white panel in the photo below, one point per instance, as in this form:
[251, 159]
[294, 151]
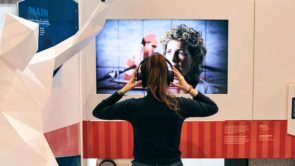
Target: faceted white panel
[19, 41]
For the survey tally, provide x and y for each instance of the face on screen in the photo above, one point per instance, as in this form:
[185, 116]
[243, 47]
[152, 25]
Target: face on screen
[178, 56]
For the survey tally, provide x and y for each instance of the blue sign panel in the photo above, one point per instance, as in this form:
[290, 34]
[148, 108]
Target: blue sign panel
[57, 19]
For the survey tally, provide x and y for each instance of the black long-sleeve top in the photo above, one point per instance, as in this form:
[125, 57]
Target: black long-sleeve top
[156, 128]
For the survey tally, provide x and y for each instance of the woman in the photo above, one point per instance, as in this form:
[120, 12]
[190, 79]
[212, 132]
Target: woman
[156, 118]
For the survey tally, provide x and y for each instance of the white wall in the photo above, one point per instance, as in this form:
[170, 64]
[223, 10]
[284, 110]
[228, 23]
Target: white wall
[274, 62]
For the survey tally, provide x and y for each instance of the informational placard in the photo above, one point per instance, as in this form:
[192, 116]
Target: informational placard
[57, 19]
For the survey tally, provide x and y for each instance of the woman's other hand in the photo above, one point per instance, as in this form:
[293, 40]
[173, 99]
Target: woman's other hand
[182, 84]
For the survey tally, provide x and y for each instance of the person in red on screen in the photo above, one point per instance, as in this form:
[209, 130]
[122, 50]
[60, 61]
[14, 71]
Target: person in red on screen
[147, 47]
[156, 118]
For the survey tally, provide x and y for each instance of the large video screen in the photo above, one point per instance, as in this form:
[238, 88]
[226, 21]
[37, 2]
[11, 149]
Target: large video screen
[198, 48]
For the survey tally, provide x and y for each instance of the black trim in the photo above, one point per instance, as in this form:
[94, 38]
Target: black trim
[293, 108]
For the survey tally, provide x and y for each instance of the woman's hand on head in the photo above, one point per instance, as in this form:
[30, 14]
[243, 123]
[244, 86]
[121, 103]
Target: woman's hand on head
[182, 84]
[131, 83]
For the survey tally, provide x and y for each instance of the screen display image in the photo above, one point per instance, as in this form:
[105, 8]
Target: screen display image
[198, 48]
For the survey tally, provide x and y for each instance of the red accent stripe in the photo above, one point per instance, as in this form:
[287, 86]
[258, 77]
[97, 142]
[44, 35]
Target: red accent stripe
[248, 137]
[219, 139]
[241, 144]
[195, 137]
[277, 137]
[224, 144]
[253, 139]
[113, 137]
[190, 144]
[259, 142]
[101, 135]
[85, 141]
[130, 141]
[293, 147]
[201, 140]
[288, 146]
[107, 140]
[90, 138]
[183, 144]
[213, 138]
[270, 143]
[93, 143]
[230, 147]
[236, 140]
[119, 126]
[265, 139]
[282, 140]
[125, 140]
[207, 141]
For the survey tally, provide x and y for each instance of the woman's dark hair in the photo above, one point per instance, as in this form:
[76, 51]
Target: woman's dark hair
[155, 73]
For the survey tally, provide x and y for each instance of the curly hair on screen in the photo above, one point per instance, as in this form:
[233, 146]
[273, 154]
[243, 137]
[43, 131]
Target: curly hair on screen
[193, 41]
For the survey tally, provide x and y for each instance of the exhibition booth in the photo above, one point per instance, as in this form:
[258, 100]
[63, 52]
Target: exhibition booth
[58, 60]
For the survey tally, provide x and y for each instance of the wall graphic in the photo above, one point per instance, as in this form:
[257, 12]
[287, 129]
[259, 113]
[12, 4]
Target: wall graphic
[57, 19]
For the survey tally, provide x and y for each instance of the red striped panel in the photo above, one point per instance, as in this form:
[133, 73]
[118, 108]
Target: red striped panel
[253, 139]
[213, 136]
[125, 147]
[270, 143]
[250, 139]
[64, 141]
[276, 142]
[201, 140]
[207, 140]
[219, 139]
[195, 139]
[282, 139]
[183, 143]
[288, 146]
[130, 140]
[190, 144]
[229, 146]
[264, 144]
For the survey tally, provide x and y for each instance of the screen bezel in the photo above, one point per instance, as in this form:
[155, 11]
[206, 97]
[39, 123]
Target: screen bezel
[293, 108]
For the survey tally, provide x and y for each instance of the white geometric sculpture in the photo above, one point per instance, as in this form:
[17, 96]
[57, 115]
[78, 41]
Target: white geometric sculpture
[19, 41]
[22, 139]
[25, 85]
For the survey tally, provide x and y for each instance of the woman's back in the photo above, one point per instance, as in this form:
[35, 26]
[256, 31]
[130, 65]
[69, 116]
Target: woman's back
[157, 129]
[158, 117]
